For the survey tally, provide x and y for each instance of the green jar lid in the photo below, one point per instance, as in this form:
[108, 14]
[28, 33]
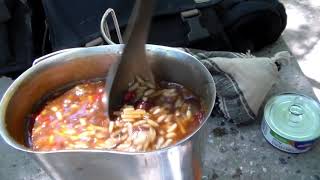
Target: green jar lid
[293, 116]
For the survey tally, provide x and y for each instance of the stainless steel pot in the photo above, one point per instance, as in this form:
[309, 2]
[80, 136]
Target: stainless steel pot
[180, 161]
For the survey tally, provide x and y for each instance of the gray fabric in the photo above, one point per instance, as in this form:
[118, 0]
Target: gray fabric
[242, 81]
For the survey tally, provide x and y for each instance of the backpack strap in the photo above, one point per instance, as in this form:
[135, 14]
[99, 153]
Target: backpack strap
[204, 24]
[196, 31]
[228, 4]
[211, 21]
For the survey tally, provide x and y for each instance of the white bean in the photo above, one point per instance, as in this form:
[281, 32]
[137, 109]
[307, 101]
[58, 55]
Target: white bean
[130, 116]
[150, 85]
[152, 123]
[111, 125]
[128, 119]
[189, 114]
[133, 87]
[161, 132]
[171, 135]
[145, 146]
[139, 138]
[140, 80]
[178, 103]
[149, 92]
[152, 134]
[140, 122]
[167, 143]
[124, 137]
[172, 128]
[168, 118]
[161, 118]
[181, 127]
[123, 146]
[160, 141]
[130, 129]
[156, 111]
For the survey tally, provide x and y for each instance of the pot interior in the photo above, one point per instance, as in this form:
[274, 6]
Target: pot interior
[90, 63]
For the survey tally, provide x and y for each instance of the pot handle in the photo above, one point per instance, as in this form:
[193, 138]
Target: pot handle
[52, 54]
[104, 28]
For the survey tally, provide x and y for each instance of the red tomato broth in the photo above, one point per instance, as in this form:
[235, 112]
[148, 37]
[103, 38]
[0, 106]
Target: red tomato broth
[75, 119]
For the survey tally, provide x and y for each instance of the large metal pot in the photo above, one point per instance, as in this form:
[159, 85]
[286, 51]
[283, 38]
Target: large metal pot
[180, 161]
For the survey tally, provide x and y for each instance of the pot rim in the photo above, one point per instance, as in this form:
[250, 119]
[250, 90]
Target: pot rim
[103, 50]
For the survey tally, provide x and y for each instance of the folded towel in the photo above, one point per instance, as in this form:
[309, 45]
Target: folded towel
[242, 81]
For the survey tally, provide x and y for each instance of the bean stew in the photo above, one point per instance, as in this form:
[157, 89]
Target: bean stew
[153, 116]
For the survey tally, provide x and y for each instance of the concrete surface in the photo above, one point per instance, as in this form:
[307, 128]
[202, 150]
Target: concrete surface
[302, 36]
[238, 152]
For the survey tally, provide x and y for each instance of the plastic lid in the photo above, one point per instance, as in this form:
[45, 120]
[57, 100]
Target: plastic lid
[295, 117]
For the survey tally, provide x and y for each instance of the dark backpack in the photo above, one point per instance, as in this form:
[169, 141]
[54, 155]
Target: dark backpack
[16, 45]
[230, 25]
